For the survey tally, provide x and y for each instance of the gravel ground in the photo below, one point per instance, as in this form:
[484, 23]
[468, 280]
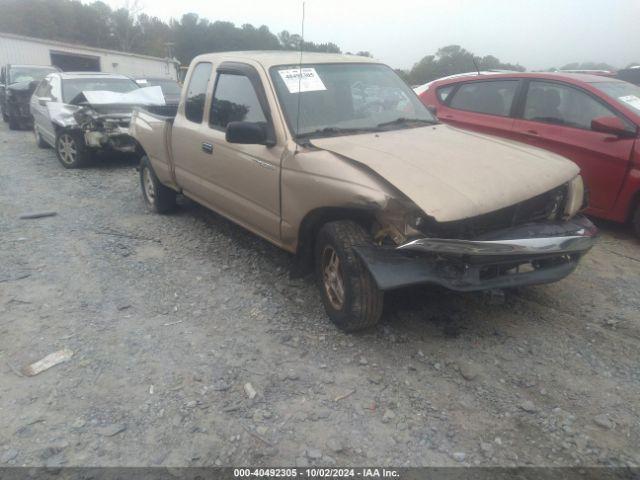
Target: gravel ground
[176, 321]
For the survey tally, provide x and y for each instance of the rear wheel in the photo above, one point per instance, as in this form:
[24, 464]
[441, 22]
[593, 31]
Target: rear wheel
[349, 293]
[158, 197]
[71, 150]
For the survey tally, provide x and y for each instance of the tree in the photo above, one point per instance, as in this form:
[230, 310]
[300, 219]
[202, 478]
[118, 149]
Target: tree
[454, 59]
[130, 30]
[587, 66]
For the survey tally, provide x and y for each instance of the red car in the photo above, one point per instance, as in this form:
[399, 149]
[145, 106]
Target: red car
[592, 120]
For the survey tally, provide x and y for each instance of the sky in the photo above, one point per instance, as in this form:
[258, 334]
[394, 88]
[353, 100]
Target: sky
[535, 33]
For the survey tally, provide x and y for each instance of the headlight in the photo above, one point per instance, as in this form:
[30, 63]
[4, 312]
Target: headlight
[575, 197]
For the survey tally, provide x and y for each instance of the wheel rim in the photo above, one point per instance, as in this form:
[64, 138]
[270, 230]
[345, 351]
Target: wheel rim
[332, 277]
[67, 149]
[149, 186]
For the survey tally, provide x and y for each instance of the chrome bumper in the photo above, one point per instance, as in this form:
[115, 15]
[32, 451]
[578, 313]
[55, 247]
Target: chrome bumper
[582, 240]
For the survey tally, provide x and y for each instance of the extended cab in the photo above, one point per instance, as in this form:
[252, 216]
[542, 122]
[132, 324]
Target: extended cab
[340, 163]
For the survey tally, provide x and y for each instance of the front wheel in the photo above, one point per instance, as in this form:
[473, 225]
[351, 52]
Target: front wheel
[350, 295]
[158, 197]
[71, 150]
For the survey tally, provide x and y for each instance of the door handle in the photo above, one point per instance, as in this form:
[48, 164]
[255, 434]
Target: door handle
[207, 147]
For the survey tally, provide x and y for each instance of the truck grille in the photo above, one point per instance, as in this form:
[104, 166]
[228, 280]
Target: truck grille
[548, 206]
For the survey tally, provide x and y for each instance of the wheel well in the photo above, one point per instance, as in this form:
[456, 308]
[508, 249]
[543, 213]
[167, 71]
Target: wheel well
[313, 222]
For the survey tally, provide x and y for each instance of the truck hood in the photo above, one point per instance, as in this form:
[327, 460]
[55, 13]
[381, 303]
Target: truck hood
[452, 174]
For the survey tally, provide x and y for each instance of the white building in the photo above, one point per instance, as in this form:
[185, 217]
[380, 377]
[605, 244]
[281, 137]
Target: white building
[18, 49]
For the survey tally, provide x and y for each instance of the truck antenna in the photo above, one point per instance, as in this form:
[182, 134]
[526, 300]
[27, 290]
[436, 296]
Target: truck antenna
[300, 77]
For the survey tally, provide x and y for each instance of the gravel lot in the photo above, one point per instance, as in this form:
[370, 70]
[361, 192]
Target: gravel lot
[169, 317]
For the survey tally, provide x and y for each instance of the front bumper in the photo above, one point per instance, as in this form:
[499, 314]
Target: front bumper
[117, 139]
[526, 255]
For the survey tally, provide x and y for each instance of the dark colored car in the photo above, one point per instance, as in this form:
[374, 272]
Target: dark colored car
[17, 83]
[591, 120]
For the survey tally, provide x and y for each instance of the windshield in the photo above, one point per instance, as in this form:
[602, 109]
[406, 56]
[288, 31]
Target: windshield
[28, 74]
[169, 87]
[72, 88]
[346, 97]
[624, 93]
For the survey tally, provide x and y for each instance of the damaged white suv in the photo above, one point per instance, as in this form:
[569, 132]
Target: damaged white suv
[79, 113]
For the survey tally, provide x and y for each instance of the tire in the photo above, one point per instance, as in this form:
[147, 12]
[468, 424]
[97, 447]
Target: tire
[39, 141]
[71, 149]
[339, 268]
[158, 197]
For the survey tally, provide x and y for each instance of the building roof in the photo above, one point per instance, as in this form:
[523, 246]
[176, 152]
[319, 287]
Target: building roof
[83, 47]
[269, 58]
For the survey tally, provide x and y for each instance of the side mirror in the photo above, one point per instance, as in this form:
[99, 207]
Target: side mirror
[249, 133]
[612, 125]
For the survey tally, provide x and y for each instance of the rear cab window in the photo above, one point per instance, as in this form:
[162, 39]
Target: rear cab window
[197, 92]
[493, 97]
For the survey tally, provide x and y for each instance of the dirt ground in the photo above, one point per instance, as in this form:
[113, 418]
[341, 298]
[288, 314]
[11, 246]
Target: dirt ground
[169, 317]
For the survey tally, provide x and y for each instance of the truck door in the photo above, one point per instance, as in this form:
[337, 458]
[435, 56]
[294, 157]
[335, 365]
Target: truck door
[241, 182]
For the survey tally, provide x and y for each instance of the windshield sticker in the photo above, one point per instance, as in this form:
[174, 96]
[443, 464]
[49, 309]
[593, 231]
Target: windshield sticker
[631, 100]
[309, 81]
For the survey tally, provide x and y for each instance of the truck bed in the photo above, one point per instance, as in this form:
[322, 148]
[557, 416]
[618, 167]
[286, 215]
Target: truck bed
[153, 133]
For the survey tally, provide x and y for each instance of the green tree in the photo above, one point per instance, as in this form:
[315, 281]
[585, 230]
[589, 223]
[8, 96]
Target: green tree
[587, 66]
[454, 59]
[127, 29]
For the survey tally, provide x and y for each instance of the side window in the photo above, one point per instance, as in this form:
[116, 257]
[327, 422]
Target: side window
[443, 92]
[235, 100]
[197, 92]
[492, 98]
[562, 105]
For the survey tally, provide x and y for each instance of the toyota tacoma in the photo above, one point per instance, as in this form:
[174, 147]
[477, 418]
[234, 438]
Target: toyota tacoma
[335, 159]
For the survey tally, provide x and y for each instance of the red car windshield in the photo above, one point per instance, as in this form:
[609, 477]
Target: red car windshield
[624, 93]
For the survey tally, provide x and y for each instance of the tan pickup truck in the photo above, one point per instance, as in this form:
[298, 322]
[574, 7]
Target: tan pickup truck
[334, 159]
